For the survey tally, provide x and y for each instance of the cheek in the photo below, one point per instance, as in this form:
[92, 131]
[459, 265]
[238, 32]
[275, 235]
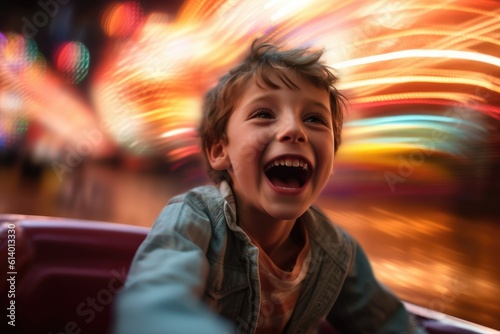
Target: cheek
[327, 157]
[250, 147]
[243, 163]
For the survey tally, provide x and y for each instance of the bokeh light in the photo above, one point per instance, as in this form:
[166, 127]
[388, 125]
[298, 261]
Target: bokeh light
[3, 42]
[17, 57]
[17, 52]
[121, 19]
[32, 93]
[13, 124]
[73, 60]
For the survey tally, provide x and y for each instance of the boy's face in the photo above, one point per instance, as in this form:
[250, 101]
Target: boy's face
[279, 150]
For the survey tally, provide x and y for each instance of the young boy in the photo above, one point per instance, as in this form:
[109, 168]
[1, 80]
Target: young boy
[252, 255]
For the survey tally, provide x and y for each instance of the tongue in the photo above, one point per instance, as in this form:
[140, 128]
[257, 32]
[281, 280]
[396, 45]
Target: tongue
[285, 183]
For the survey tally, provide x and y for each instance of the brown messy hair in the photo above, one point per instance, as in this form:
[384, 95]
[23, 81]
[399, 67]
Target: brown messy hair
[265, 60]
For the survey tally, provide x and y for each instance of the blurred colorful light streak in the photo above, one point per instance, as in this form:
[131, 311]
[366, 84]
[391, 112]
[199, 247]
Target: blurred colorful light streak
[415, 120]
[394, 135]
[210, 36]
[490, 85]
[415, 53]
[392, 57]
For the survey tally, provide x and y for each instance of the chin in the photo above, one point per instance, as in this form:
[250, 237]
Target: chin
[287, 213]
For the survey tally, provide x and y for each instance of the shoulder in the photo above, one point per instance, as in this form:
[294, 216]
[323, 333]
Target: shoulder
[203, 204]
[200, 194]
[202, 199]
[322, 225]
[331, 238]
[190, 215]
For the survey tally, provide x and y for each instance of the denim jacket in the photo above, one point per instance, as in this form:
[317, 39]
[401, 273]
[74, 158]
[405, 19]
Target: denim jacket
[197, 272]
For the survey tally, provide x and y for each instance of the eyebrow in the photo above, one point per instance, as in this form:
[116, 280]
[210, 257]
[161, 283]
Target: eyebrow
[319, 104]
[269, 97]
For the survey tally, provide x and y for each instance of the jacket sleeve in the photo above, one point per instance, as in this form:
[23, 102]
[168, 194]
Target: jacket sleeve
[167, 279]
[366, 306]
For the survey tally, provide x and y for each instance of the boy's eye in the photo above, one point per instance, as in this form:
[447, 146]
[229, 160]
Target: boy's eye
[315, 118]
[262, 113]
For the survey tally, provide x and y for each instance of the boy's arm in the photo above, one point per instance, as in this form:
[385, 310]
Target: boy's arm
[167, 279]
[366, 306]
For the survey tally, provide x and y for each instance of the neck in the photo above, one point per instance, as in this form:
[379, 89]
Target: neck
[272, 235]
[272, 238]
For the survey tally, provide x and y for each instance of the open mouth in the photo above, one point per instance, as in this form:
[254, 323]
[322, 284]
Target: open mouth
[288, 173]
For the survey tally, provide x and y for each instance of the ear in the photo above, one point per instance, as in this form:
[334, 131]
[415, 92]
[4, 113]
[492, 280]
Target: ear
[218, 157]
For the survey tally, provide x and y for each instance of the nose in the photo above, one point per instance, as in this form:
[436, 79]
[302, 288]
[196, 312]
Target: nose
[292, 130]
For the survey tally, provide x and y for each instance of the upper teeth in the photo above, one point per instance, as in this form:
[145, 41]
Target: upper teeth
[289, 163]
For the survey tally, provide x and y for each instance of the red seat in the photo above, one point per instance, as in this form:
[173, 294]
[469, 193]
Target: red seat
[68, 273]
